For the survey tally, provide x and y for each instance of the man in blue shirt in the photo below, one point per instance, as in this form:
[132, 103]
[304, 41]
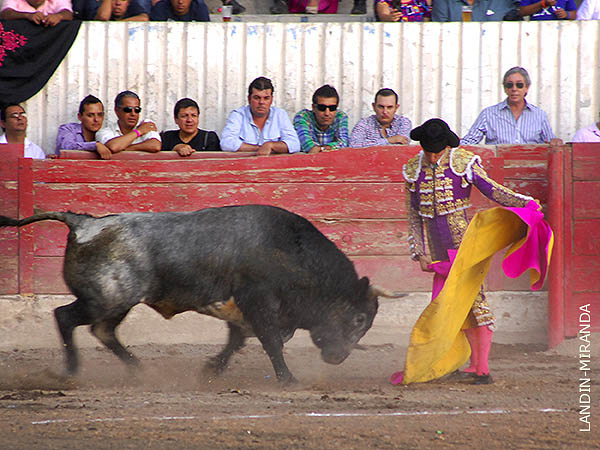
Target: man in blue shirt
[549, 9]
[180, 10]
[126, 10]
[259, 127]
[513, 120]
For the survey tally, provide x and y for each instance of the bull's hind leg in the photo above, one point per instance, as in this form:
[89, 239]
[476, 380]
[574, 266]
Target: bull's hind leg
[104, 330]
[68, 317]
[218, 363]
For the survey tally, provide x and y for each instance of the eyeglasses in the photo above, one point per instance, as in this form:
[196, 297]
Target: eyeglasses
[510, 84]
[128, 109]
[322, 107]
[18, 115]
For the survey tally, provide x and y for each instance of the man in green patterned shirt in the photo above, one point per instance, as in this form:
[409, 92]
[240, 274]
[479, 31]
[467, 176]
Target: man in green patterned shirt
[325, 127]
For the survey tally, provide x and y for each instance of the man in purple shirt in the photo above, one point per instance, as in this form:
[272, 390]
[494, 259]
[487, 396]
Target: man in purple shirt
[82, 136]
[385, 127]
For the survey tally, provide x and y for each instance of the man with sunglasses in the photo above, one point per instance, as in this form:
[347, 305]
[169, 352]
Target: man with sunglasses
[130, 133]
[385, 127]
[325, 127]
[259, 127]
[513, 120]
[13, 120]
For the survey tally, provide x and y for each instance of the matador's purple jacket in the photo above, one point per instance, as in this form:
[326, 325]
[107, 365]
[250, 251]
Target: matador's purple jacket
[439, 198]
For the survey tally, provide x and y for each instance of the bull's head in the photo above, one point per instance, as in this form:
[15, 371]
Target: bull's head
[347, 321]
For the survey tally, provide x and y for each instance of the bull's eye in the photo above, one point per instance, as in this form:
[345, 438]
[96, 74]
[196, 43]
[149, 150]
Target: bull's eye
[360, 320]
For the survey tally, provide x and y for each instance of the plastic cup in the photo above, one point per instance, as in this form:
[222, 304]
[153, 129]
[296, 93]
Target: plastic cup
[226, 10]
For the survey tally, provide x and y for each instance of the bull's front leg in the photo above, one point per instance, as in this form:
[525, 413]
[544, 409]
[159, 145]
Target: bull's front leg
[265, 324]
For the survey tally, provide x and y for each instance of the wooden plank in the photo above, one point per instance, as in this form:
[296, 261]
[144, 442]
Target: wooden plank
[586, 200]
[9, 242]
[47, 276]
[586, 237]
[9, 198]
[573, 313]
[26, 237]
[138, 155]
[354, 237]
[9, 269]
[568, 208]
[556, 274]
[392, 272]
[312, 200]
[352, 165]
[529, 152]
[586, 164]
[586, 273]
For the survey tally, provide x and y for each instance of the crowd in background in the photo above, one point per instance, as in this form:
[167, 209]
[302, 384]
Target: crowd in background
[264, 129]
[51, 12]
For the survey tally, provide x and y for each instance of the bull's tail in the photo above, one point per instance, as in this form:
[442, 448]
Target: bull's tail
[69, 218]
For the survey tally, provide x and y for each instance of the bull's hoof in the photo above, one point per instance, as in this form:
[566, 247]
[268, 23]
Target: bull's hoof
[214, 367]
[288, 381]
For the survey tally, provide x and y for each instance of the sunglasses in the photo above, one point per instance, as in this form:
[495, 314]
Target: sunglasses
[128, 109]
[322, 107]
[510, 84]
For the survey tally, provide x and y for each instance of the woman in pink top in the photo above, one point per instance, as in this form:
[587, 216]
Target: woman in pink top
[42, 12]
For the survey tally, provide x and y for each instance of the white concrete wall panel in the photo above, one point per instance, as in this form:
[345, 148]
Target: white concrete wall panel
[448, 70]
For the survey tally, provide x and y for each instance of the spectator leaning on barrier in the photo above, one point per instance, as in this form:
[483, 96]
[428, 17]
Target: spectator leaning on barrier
[482, 10]
[549, 9]
[589, 10]
[42, 12]
[126, 10]
[180, 10]
[82, 135]
[588, 134]
[130, 133]
[385, 127]
[402, 10]
[13, 120]
[189, 138]
[258, 126]
[513, 120]
[325, 127]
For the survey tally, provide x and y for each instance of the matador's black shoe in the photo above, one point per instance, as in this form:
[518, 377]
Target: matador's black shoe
[483, 379]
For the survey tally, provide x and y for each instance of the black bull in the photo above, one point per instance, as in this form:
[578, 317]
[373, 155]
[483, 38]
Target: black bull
[264, 270]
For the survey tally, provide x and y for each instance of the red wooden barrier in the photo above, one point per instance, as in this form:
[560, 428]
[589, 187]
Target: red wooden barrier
[355, 196]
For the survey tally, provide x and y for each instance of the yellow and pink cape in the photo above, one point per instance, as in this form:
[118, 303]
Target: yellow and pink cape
[438, 346]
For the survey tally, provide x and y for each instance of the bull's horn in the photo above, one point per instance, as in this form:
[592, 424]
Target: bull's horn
[381, 292]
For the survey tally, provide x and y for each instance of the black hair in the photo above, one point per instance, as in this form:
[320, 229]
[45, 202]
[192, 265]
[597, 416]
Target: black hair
[261, 84]
[88, 100]
[121, 95]
[325, 91]
[184, 103]
[386, 92]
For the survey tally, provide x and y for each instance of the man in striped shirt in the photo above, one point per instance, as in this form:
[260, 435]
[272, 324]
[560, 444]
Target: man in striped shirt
[385, 127]
[512, 121]
[324, 127]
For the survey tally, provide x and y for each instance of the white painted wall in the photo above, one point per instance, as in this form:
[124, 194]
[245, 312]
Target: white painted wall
[450, 70]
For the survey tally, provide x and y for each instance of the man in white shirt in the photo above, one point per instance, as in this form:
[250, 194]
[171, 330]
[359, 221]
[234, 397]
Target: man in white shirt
[13, 120]
[130, 133]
